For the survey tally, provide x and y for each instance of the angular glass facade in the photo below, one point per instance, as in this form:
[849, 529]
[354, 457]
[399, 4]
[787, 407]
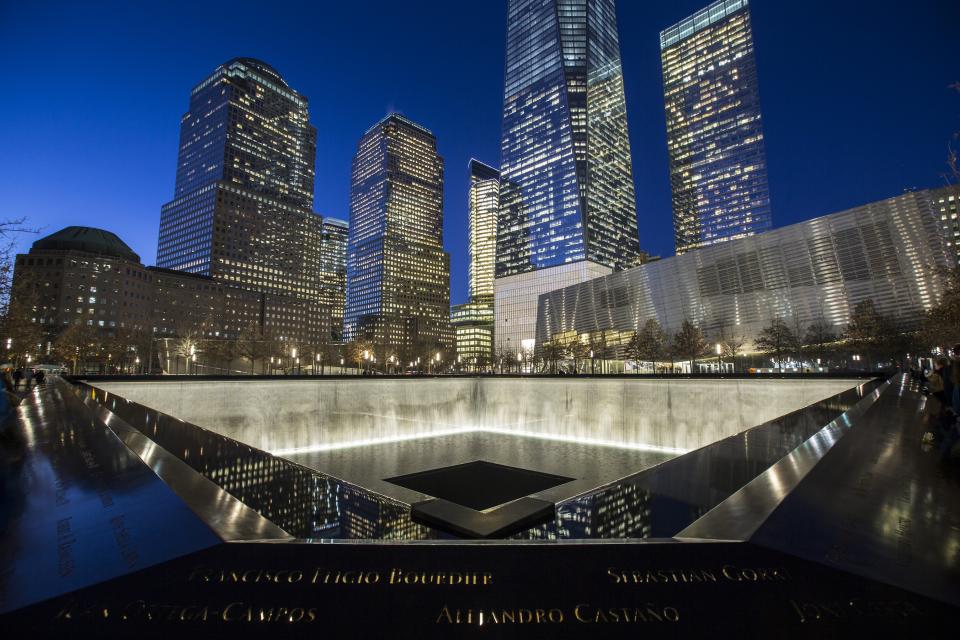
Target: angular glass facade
[718, 167]
[398, 275]
[566, 189]
[484, 203]
[888, 251]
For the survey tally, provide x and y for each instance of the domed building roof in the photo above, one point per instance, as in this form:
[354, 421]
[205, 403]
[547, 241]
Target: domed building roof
[86, 239]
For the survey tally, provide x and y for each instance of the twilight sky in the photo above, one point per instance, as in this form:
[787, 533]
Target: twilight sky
[855, 99]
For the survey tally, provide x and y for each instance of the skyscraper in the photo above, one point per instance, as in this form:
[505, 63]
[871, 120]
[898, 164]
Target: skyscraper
[567, 204]
[718, 168]
[242, 207]
[473, 321]
[484, 203]
[398, 275]
[333, 271]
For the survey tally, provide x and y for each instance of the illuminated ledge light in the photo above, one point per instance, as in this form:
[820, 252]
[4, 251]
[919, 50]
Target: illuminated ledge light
[352, 444]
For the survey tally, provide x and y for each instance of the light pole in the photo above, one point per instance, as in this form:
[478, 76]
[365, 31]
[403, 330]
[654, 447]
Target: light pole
[193, 357]
[296, 361]
[591, 362]
[519, 361]
[719, 362]
[437, 365]
[315, 365]
[136, 361]
[341, 366]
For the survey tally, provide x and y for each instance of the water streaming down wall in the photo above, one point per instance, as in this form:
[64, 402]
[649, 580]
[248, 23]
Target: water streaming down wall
[283, 416]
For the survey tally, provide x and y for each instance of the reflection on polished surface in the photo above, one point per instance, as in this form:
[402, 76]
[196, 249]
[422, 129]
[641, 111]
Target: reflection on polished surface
[662, 501]
[878, 504]
[304, 503]
[76, 506]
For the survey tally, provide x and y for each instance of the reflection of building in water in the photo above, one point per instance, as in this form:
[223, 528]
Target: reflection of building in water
[364, 516]
[622, 511]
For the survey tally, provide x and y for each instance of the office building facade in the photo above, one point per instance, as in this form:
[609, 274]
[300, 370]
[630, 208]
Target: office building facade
[333, 271]
[483, 206]
[83, 275]
[473, 322]
[566, 188]
[242, 208]
[946, 204]
[398, 275]
[890, 252]
[718, 168]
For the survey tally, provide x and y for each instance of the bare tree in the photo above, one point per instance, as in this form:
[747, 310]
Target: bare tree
[649, 344]
[731, 344]
[819, 334]
[689, 343]
[776, 340]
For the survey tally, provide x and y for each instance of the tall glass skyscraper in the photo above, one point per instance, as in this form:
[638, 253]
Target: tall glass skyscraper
[567, 203]
[484, 204]
[567, 183]
[242, 208]
[398, 275]
[718, 168]
[473, 322]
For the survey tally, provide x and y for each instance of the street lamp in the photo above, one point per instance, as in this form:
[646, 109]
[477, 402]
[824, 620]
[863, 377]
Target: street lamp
[719, 363]
[136, 361]
[592, 369]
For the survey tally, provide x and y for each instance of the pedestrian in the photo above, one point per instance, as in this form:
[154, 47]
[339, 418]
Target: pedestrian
[8, 379]
[40, 376]
[28, 378]
[935, 382]
[17, 376]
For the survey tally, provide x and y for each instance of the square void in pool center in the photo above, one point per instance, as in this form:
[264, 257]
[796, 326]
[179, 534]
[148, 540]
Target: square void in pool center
[589, 466]
[480, 484]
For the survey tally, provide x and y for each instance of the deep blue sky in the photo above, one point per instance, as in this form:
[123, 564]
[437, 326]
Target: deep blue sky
[854, 96]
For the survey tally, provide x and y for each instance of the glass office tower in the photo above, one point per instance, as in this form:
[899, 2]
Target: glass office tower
[567, 203]
[242, 208]
[398, 275]
[567, 183]
[718, 168]
[484, 204]
[333, 271]
[473, 322]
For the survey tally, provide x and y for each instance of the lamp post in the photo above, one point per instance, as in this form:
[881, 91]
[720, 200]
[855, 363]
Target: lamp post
[192, 356]
[519, 361]
[719, 362]
[437, 360]
[591, 362]
[341, 366]
[296, 361]
[136, 361]
[317, 362]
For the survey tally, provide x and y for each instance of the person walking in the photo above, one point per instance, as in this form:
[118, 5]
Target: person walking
[40, 376]
[17, 376]
[28, 378]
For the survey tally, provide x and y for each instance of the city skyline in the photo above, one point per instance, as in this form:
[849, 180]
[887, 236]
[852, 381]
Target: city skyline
[914, 147]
